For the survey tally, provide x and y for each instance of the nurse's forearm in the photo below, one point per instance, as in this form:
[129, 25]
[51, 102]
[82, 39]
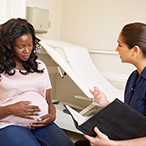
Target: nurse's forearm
[132, 142]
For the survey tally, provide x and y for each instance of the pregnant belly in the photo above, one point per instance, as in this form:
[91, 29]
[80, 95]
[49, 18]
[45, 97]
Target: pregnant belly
[36, 99]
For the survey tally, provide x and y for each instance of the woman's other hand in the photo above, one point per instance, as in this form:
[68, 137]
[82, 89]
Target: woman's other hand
[42, 121]
[99, 97]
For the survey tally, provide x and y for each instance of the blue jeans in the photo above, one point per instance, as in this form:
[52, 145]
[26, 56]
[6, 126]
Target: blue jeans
[50, 135]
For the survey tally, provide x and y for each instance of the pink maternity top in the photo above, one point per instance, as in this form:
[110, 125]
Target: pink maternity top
[19, 87]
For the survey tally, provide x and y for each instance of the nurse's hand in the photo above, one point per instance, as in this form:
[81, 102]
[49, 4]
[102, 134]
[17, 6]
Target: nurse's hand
[24, 109]
[99, 97]
[42, 121]
[100, 140]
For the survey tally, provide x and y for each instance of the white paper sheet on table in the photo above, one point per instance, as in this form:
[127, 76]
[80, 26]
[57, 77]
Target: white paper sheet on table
[86, 71]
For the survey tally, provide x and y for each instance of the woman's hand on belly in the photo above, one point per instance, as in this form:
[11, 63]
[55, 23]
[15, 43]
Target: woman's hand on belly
[24, 109]
[42, 121]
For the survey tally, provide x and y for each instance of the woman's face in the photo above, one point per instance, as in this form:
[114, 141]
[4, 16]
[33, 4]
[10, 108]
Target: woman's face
[124, 52]
[22, 48]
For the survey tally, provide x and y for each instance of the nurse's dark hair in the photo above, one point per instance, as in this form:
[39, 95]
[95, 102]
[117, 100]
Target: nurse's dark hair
[9, 31]
[134, 34]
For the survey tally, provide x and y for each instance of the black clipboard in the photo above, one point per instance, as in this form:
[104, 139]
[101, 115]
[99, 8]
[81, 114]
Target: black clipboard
[118, 121]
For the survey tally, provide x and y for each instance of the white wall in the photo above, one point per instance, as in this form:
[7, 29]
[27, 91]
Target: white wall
[3, 11]
[12, 9]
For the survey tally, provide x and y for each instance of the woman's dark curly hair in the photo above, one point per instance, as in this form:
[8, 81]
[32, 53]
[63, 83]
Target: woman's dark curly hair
[9, 31]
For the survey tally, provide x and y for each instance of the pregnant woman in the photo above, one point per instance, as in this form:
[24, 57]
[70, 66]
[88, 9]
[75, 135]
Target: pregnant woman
[26, 111]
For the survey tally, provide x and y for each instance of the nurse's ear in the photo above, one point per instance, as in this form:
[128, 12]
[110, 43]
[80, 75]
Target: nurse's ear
[136, 51]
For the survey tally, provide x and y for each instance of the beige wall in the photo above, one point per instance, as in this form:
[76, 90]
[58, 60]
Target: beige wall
[95, 24]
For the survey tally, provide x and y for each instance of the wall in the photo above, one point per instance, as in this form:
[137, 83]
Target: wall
[95, 24]
[16, 8]
[2, 11]
[12, 9]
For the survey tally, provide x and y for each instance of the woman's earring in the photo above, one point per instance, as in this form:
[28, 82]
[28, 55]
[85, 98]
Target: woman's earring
[34, 51]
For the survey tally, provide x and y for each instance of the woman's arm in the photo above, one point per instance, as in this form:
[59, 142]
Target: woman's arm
[21, 109]
[52, 109]
[51, 116]
[5, 111]
[102, 140]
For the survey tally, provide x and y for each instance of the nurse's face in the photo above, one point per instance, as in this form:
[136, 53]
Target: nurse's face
[124, 52]
[22, 48]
